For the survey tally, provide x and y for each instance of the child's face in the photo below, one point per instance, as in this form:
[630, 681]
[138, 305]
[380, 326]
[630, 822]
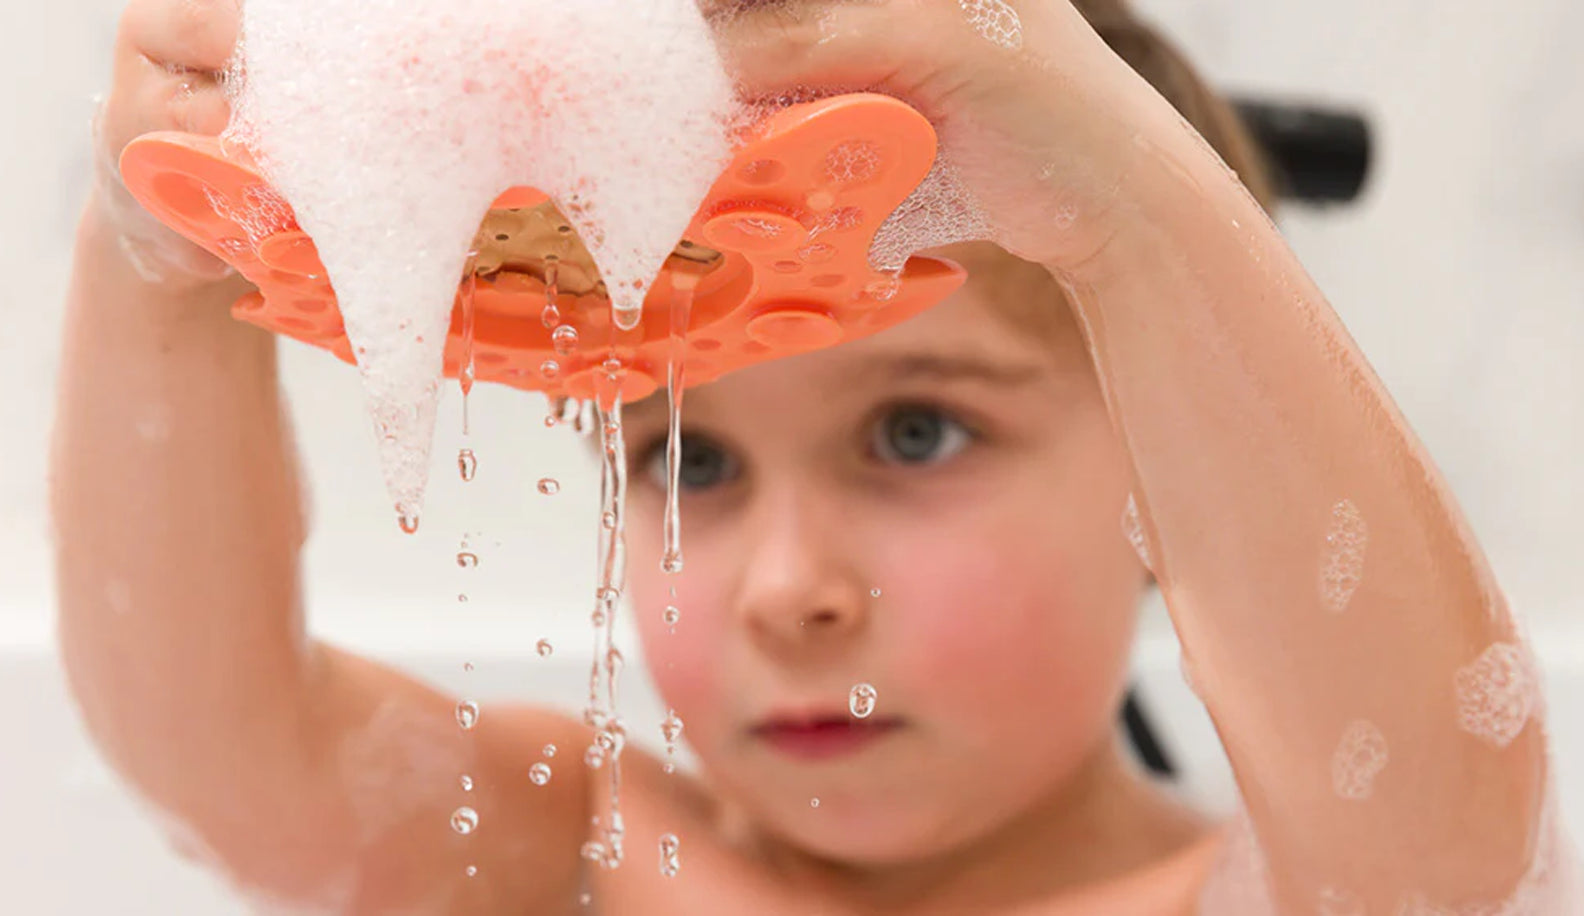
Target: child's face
[964, 470]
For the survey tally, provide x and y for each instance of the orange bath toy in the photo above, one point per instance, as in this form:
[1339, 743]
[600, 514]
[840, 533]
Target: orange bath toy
[774, 263]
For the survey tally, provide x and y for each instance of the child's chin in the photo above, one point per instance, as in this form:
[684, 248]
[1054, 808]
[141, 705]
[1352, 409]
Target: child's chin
[869, 836]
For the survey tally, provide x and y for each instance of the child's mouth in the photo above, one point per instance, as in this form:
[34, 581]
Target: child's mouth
[823, 737]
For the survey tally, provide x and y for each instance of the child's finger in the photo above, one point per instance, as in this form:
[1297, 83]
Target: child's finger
[775, 47]
[152, 98]
[184, 34]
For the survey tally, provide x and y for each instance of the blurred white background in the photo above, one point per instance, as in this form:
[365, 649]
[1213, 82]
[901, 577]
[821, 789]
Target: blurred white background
[1461, 274]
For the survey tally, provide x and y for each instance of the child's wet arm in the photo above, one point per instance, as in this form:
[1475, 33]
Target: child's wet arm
[1337, 614]
[311, 775]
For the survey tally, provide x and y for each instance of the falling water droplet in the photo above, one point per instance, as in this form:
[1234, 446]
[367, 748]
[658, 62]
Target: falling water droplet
[467, 560]
[671, 728]
[467, 666]
[464, 820]
[544, 648]
[550, 317]
[408, 523]
[551, 421]
[550, 369]
[565, 340]
[669, 768]
[585, 899]
[670, 847]
[462, 598]
[472, 871]
[549, 750]
[861, 702]
[549, 486]
[813, 803]
[612, 367]
[672, 615]
[594, 757]
[467, 783]
[608, 521]
[874, 593]
[467, 714]
[539, 774]
[467, 463]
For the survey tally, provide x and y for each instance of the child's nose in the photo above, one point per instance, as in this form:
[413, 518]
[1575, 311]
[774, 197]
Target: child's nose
[800, 589]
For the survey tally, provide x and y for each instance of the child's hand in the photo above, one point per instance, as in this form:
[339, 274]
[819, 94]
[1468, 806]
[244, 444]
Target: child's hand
[168, 61]
[1037, 114]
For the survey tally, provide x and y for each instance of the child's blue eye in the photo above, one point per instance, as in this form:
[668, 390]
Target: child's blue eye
[918, 435]
[704, 464]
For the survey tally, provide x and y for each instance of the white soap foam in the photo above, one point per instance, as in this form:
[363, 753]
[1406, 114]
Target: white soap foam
[391, 125]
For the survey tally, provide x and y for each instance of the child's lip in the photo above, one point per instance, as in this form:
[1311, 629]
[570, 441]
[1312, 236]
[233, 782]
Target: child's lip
[822, 737]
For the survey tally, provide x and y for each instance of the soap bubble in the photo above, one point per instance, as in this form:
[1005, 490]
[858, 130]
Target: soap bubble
[390, 126]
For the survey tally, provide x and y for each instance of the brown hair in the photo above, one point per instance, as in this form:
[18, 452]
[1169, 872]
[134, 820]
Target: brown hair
[1021, 292]
[1165, 68]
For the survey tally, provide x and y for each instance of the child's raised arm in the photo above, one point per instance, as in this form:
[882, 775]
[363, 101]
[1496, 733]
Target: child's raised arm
[311, 776]
[1338, 618]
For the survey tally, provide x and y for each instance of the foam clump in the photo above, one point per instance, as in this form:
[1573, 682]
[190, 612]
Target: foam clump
[390, 126]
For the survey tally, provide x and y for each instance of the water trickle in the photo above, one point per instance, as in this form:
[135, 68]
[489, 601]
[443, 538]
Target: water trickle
[551, 316]
[671, 557]
[467, 783]
[539, 774]
[549, 750]
[544, 648]
[464, 820]
[466, 374]
[565, 340]
[467, 559]
[549, 486]
[670, 862]
[861, 702]
[672, 615]
[467, 714]
[605, 670]
[467, 464]
[671, 731]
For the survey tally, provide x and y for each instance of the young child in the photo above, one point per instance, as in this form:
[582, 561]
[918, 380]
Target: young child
[1153, 350]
